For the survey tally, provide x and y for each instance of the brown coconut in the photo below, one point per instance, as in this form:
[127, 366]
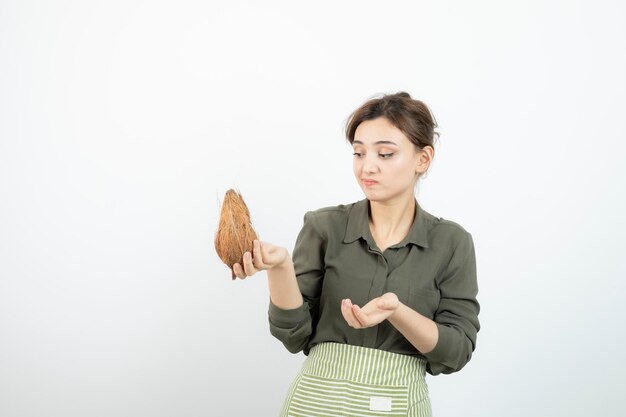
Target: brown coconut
[235, 234]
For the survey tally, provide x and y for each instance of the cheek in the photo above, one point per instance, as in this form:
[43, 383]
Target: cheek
[402, 170]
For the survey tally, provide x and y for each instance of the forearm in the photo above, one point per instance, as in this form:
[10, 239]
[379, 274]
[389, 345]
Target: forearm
[419, 330]
[283, 286]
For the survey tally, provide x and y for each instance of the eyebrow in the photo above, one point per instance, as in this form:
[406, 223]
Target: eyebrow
[380, 142]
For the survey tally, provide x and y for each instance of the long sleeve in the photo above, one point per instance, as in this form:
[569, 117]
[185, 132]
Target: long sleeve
[457, 315]
[294, 327]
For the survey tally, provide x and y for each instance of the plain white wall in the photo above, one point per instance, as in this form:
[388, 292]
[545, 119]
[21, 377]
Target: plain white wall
[123, 123]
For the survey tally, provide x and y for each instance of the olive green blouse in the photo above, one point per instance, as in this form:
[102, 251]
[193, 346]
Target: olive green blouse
[432, 270]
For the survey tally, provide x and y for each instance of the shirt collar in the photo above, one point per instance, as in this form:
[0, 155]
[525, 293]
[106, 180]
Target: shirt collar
[358, 225]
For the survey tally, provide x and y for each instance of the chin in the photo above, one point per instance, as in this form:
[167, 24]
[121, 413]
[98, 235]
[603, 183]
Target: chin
[382, 195]
[374, 195]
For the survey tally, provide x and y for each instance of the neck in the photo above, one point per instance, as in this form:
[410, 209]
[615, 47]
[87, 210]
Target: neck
[388, 218]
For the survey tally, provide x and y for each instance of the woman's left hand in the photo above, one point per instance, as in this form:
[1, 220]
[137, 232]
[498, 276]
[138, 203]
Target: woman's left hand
[372, 313]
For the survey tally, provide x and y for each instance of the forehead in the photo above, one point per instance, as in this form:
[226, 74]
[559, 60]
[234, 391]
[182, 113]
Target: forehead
[379, 132]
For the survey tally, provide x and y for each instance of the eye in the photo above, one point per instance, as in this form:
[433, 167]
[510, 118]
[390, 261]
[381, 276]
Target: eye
[382, 155]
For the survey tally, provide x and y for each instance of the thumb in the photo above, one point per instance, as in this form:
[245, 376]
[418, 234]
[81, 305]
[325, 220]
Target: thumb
[382, 304]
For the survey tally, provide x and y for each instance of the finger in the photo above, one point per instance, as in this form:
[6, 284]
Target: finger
[390, 301]
[385, 305]
[352, 321]
[360, 316]
[258, 257]
[247, 264]
[349, 315]
[242, 273]
[238, 272]
[344, 312]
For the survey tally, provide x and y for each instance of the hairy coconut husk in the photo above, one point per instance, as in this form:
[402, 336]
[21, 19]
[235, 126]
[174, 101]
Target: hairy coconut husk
[235, 234]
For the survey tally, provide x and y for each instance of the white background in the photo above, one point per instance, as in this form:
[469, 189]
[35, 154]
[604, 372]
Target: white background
[123, 123]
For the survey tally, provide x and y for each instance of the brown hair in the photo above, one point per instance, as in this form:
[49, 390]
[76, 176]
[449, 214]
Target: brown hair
[410, 116]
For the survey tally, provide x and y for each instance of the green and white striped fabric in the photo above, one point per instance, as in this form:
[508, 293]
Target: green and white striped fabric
[338, 379]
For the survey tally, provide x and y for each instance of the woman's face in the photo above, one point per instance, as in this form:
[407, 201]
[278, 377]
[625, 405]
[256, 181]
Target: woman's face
[384, 154]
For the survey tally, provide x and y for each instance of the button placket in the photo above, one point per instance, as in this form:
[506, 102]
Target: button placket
[376, 290]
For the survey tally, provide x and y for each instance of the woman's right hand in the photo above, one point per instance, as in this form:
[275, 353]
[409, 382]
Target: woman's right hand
[264, 256]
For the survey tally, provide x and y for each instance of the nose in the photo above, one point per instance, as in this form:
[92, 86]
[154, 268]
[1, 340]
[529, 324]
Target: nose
[369, 165]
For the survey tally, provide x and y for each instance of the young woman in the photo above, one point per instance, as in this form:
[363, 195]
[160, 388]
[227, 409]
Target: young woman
[379, 291]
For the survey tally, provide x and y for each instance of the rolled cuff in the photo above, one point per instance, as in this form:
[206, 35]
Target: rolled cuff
[452, 352]
[441, 351]
[287, 318]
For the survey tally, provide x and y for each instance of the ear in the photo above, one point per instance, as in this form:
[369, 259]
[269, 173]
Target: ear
[424, 158]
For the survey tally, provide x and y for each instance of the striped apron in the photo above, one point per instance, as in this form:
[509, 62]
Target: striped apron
[338, 379]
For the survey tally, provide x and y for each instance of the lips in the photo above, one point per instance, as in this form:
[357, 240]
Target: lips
[369, 182]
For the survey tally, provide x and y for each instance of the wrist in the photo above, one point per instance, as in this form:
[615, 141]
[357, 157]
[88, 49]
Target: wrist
[286, 264]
